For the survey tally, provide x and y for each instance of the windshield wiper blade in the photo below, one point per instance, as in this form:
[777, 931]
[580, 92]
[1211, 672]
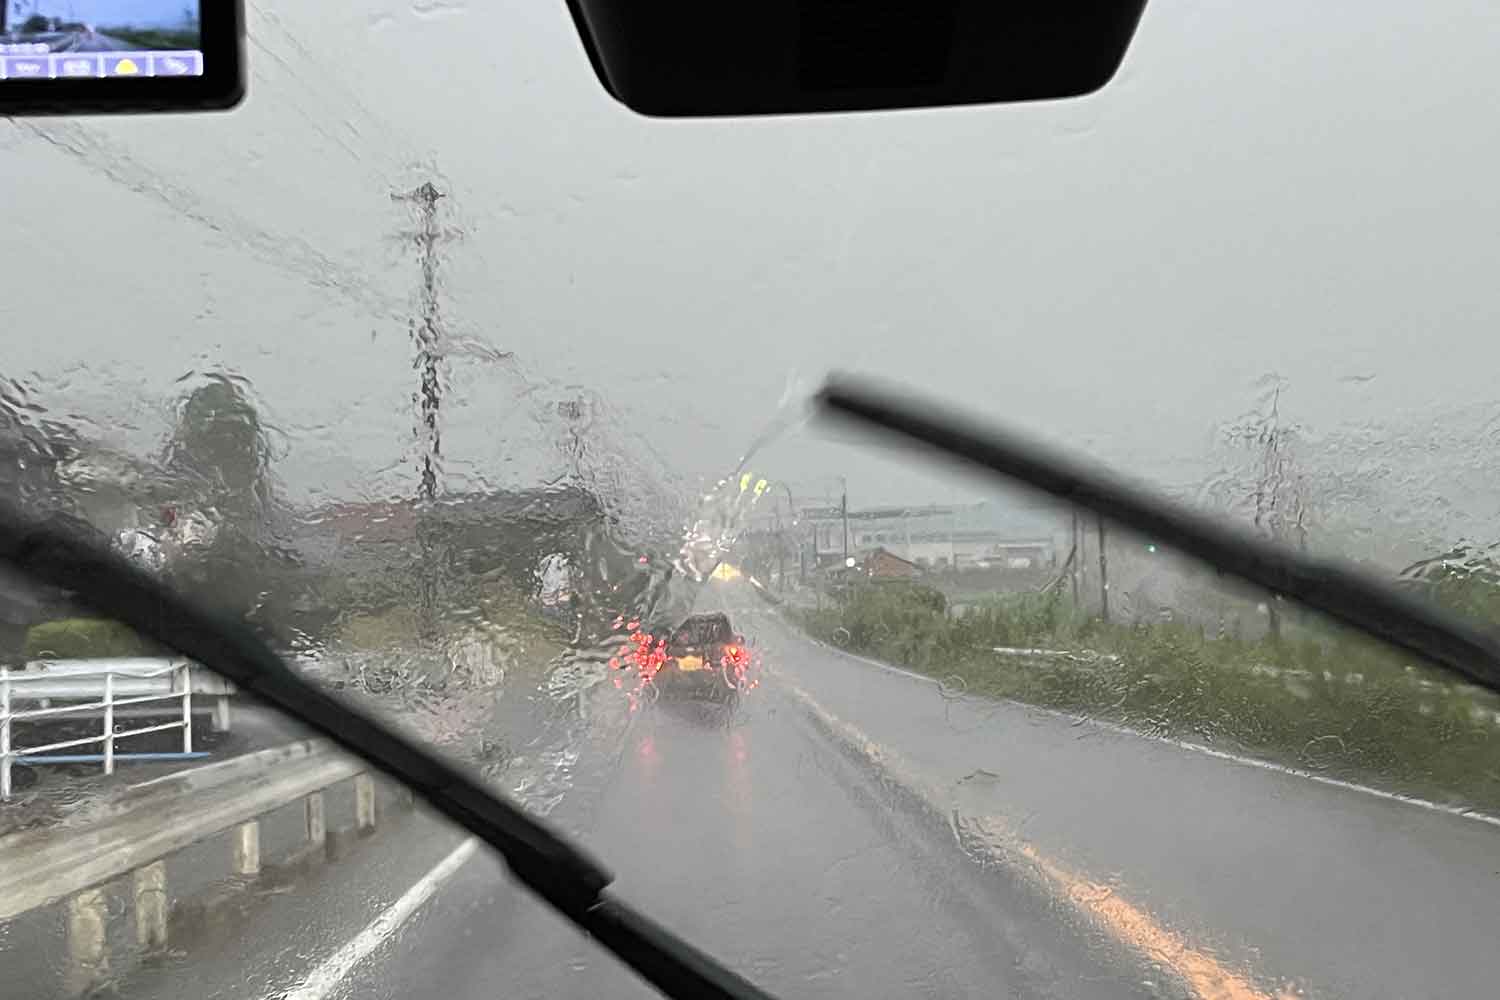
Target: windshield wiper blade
[58, 552]
[1334, 589]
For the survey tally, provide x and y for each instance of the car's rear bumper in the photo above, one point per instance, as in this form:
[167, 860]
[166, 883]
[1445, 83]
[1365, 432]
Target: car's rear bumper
[704, 683]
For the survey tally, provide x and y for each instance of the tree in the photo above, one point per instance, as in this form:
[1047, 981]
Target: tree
[218, 464]
[1274, 488]
[220, 447]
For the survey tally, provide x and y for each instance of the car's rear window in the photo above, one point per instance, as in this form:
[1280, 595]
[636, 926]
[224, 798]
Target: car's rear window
[698, 631]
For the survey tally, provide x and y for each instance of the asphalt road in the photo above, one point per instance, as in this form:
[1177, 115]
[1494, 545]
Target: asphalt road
[1096, 862]
[1287, 883]
[752, 838]
[852, 831]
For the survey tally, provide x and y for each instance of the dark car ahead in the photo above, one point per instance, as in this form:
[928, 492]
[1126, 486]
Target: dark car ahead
[703, 655]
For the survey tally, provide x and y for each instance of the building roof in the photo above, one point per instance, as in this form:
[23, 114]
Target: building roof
[397, 520]
[886, 553]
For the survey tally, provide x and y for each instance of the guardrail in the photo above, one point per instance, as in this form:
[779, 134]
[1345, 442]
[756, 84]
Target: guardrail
[112, 688]
[132, 834]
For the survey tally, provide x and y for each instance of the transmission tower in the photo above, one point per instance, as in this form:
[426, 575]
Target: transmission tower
[426, 329]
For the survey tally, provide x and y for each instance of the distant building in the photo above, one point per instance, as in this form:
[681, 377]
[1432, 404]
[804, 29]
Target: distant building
[1018, 555]
[983, 536]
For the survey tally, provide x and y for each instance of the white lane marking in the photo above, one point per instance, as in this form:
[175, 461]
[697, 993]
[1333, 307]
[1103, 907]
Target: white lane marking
[1099, 903]
[320, 982]
[1460, 812]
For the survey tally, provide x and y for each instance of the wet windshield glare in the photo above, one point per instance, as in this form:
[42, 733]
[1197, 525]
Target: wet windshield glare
[484, 403]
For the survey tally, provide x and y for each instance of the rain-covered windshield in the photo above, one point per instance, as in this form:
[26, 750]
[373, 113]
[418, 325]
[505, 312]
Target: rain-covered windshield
[481, 400]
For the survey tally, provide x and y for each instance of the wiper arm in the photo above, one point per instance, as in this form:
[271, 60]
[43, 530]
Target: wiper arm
[1336, 590]
[560, 873]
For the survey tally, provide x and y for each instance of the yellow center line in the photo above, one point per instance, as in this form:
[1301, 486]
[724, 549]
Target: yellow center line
[1205, 975]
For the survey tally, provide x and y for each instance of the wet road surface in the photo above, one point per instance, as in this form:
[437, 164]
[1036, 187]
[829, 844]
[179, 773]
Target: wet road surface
[752, 839]
[1291, 884]
[852, 831]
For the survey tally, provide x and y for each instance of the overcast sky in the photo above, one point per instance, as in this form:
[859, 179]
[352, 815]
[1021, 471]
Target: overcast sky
[1264, 187]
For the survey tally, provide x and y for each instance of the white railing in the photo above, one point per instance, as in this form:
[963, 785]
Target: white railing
[104, 687]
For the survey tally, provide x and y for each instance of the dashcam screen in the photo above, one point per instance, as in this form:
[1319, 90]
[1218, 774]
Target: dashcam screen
[70, 39]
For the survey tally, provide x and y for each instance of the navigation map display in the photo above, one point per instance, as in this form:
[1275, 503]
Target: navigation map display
[105, 39]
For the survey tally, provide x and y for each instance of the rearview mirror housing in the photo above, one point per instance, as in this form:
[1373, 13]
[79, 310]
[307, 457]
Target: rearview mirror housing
[677, 58]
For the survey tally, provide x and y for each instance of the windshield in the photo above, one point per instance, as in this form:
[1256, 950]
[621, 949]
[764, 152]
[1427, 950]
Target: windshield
[480, 400]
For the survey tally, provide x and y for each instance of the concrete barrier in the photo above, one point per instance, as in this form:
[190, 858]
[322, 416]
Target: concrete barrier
[134, 834]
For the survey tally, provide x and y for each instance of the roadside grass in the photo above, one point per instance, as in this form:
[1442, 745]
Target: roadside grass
[490, 630]
[1323, 698]
[85, 639]
[443, 680]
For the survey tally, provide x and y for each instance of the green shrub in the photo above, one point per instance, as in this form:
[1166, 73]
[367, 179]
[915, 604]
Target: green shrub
[393, 628]
[1324, 698]
[1017, 620]
[84, 639]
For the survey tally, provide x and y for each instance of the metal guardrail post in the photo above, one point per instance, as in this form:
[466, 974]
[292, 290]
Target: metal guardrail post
[4, 732]
[247, 848]
[88, 952]
[317, 825]
[187, 709]
[109, 722]
[364, 802]
[221, 719]
[151, 906]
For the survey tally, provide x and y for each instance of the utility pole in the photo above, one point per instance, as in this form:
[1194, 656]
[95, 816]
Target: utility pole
[952, 528]
[780, 553]
[1103, 575]
[1075, 556]
[844, 509]
[577, 416]
[791, 510]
